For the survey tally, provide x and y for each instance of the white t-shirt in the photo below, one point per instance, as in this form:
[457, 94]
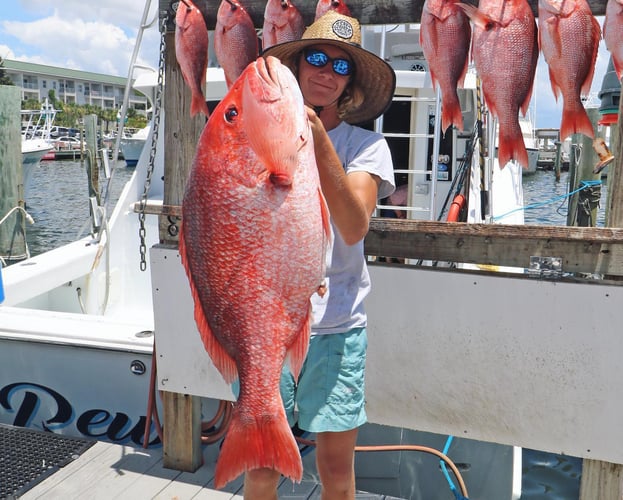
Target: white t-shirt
[347, 278]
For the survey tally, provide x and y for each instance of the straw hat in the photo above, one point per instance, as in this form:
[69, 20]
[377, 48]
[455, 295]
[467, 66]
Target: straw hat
[374, 77]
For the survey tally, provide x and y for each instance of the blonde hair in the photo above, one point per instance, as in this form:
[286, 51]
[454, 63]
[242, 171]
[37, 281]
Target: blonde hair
[352, 98]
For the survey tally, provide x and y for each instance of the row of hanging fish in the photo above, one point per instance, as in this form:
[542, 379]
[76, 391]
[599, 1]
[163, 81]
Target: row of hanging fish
[505, 45]
[236, 42]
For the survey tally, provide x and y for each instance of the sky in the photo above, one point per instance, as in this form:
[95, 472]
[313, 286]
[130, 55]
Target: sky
[99, 36]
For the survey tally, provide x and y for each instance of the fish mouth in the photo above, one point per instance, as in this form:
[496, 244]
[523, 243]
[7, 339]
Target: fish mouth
[268, 72]
[277, 81]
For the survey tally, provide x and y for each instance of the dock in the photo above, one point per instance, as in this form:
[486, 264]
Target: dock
[72, 468]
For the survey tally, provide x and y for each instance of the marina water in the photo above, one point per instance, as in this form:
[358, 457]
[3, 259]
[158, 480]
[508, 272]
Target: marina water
[58, 201]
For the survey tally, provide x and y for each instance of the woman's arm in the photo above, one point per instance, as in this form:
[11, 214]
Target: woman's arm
[351, 198]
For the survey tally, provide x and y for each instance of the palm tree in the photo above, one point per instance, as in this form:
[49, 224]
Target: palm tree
[4, 79]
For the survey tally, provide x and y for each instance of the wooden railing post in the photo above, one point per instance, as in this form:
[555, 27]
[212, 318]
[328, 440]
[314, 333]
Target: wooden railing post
[182, 413]
[604, 480]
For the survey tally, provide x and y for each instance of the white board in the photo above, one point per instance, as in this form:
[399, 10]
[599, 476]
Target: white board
[510, 360]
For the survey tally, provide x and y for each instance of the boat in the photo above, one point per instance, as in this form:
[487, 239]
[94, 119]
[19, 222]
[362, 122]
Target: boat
[547, 141]
[450, 351]
[527, 130]
[132, 146]
[36, 141]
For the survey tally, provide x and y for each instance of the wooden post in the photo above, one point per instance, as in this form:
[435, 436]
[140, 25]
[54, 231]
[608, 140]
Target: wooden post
[604, 480]
[583, 172]
[90, 132]
[13, 229]
[182, 422]
[601, 480]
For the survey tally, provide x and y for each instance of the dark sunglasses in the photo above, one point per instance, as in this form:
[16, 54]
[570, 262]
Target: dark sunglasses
[319, 59]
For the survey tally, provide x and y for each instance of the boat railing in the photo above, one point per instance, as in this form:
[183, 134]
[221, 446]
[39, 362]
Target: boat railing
[38, 123]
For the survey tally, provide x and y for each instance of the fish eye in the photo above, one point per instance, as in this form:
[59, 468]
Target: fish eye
[231, 114]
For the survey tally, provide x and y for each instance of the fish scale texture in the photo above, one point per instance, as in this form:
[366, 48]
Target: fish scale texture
[505, 53]
[445, 36]
[569, 38]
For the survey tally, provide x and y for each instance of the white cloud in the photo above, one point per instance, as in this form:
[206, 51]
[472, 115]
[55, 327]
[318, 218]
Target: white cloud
[80, 35]
[6, 52]
[124, 13]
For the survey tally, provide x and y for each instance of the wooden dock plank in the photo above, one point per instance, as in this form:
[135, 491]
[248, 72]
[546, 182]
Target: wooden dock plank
[45, 489]
[109, 471]
[152, 482]
[107, 474]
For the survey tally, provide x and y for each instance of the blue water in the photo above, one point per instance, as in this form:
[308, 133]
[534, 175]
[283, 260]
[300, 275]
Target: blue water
[58, 201]
[546, 200]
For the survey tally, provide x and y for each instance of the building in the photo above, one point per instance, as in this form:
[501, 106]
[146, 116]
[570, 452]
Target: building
[71, 86]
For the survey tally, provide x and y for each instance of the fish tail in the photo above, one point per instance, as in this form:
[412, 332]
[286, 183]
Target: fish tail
[512, 148]
[575, 120]
[259, 442]
[199, 105]
[451, 113]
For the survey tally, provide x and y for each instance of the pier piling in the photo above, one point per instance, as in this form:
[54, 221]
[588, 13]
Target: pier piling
[13, 245]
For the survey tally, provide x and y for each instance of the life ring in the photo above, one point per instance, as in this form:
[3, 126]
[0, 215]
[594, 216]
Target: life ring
[456, 207]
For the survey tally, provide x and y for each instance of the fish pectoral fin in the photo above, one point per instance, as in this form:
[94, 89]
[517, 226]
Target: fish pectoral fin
[478, 18]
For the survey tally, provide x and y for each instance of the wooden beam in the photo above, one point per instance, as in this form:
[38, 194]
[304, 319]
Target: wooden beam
[366, 11]
[583, 250]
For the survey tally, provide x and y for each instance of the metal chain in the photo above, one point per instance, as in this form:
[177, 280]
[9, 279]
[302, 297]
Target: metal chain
[154, 142]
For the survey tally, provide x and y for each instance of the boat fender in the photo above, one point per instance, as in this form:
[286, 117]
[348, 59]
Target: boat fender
[456, 207]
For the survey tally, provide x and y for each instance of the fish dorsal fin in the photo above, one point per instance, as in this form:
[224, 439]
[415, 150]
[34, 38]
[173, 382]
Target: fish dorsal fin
[223, 362]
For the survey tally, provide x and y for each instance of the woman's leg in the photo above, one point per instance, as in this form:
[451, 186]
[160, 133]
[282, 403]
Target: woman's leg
[261, 484]
[335, 460]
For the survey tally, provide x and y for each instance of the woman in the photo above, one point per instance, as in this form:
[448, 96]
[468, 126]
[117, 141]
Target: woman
[342, 84]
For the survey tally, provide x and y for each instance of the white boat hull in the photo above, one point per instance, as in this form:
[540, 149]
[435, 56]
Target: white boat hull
[131, 150]
[69, 385]
[33, 150]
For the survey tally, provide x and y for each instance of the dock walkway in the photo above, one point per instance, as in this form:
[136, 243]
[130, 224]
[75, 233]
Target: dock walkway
[110, 471]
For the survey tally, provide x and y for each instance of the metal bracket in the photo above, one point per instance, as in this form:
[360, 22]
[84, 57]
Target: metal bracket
[545, 267]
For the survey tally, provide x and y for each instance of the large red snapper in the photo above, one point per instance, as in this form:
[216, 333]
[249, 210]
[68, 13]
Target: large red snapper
[569, 38]
[235, 39]
[613, 33]
[445, 34]
[253, 241]
[191, 52]
[505, 52]
[283, 22]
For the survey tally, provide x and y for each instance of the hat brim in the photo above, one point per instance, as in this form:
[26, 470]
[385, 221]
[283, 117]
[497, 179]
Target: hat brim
[374, 76]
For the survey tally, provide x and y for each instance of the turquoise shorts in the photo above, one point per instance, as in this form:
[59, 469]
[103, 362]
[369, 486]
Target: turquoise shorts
[329, 395]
